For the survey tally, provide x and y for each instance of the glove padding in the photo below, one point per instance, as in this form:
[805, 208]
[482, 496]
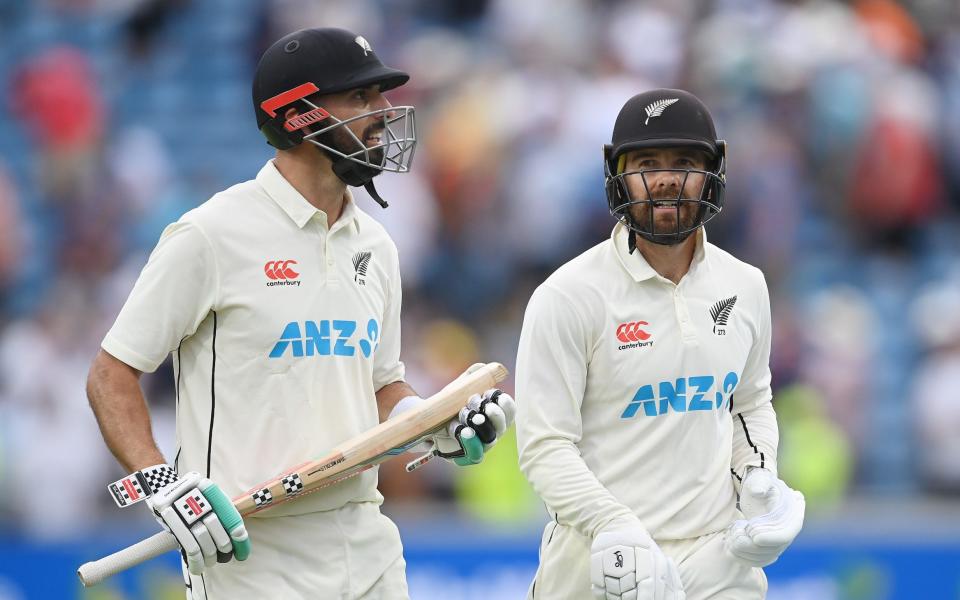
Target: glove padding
[625, 563]
[478, 426]
[774, 518]
[206, 524]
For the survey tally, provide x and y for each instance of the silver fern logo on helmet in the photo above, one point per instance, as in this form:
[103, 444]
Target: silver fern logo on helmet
[656, 109]
[363, 43]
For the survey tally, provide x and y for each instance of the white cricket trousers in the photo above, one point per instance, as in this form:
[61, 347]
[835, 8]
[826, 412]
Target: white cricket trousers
[351, 553]
[706, 570]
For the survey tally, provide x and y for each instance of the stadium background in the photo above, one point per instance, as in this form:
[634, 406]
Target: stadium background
[843, 121]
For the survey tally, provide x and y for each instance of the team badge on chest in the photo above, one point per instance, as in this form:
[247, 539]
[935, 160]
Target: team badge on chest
[361, 260]
[720, 313]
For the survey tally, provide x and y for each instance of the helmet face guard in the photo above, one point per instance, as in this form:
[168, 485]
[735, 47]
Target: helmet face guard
[354, 162]
[313, 63]
[622, 197]
[394, 152]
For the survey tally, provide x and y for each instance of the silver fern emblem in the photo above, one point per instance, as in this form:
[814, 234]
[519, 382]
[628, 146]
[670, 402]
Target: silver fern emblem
[656, 109]
[360, 262]
[721, 313]
[363, 43]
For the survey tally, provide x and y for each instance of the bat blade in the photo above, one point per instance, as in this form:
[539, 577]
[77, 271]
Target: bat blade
[383, 442]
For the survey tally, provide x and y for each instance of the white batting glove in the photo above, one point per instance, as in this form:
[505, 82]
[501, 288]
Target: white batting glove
[466, 438]
[625, 563]
[774, 518]
[194, 509]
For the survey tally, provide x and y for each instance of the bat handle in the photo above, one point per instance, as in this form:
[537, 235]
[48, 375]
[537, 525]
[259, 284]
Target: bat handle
[94, 572]
[422, 459]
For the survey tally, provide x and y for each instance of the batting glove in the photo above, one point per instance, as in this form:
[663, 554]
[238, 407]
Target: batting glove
[194, 509]
[465, 439]
[625, 563]
[774, 518]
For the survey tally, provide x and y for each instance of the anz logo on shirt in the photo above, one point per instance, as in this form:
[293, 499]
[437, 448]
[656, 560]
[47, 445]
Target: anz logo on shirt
[686, 394]
[325, 338]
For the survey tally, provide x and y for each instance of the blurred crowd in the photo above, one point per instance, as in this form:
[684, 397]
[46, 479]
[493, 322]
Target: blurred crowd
[843, 126]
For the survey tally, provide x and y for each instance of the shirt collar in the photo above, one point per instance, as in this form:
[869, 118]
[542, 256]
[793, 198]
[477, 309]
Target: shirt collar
[295, 205]
[349, 215]
[700, 251]
[637, 266]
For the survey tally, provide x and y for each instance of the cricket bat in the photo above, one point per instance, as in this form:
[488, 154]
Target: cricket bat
[386, 440]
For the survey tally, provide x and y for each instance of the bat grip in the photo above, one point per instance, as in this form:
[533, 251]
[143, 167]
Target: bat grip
[94, 572]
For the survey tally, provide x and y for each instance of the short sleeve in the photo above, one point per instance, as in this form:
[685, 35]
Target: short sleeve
[175, 292]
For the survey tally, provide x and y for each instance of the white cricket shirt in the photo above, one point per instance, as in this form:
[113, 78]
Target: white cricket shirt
[281, 328]
[624, 385]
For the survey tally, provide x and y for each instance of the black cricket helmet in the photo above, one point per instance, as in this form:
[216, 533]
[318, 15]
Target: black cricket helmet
[664, 118]
[305, 64]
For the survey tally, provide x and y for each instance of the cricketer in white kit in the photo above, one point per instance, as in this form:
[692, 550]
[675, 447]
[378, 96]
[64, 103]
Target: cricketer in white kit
[643, 386]
[280, 301]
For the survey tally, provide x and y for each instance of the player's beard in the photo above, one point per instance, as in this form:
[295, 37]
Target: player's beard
[664, 222]
[342, 141]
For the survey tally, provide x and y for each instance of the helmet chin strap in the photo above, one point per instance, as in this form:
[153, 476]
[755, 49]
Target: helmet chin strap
[667, 239]
[373, 194]
[356, 175]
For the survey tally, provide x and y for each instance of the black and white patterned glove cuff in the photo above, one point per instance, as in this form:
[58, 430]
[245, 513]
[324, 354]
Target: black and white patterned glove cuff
[141, 484]
[158, 476]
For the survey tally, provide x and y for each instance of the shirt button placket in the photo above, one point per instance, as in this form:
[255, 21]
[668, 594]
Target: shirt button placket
[322, 249]
[687, 331]
[328, 260]
[329, 267]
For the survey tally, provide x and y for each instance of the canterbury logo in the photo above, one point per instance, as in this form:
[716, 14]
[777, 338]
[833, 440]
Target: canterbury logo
[631, 332]
[280, 269]
[656, 109]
